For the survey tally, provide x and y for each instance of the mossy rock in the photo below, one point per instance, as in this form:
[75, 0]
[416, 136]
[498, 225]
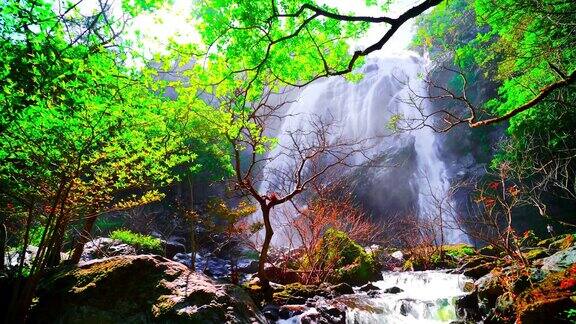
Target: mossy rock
[546, 242]
[535, 253]
[489, 250]
[563, 243]
[353, 265]
[297, 293]
[139, 289]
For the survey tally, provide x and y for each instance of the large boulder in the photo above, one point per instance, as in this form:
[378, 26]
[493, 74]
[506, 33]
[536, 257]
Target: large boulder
[139, 289]
[560, 260]
[489, 289]
[350, 262]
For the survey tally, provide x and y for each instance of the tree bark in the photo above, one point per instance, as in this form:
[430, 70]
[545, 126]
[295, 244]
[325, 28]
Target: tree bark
[268, 232]
[2, 245]
[83, 238]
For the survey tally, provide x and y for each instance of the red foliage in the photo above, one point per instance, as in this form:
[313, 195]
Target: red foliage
[494, 185]
[572, 270]
[567, 283]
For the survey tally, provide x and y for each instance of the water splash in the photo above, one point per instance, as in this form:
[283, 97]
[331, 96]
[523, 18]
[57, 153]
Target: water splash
[428, 297]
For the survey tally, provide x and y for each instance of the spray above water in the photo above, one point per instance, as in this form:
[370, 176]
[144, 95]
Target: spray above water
[363, 110]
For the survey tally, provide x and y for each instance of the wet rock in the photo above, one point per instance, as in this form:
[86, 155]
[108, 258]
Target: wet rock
[473, 262]
[333, 314]
[467, 286]
[374, 293]
[271, 312]
[369, 287]
[467, 307]
[287, 311]
[183, 258]
[537, 275]
[563, 242]
[479, 271]
[392, 290]
[342, 289]
[488, 250]
[405, 307]
[560, 260]
[140, 289]
[207, 264]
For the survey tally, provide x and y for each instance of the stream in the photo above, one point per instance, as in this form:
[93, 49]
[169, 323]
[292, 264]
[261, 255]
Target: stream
[427, 297]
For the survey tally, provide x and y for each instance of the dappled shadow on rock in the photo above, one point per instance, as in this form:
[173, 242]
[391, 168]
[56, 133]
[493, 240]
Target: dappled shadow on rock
[142, 289]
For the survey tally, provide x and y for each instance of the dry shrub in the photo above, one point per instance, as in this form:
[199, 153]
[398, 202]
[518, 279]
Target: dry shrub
[306, 229]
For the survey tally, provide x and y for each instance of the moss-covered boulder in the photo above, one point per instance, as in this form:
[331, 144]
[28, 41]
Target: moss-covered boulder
[549, 299]
[489, 250]
[535, 253]
[139, 289]
[297, 293]
[350, 261]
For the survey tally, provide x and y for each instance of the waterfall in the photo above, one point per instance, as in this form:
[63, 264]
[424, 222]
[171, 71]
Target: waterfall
[363, 110]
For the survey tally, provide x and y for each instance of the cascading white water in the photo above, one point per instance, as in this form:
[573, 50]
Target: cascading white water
[362, 111]
[427, 297]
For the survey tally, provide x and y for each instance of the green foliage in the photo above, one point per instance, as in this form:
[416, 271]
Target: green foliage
[81, 132]
[459, 251]
[144, 243]
[108, 224]
[517, 48]
[36, 234]
[571, 315]
[351, 262]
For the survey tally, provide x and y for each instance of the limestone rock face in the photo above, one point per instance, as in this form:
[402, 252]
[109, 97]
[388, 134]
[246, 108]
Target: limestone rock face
[140, 289]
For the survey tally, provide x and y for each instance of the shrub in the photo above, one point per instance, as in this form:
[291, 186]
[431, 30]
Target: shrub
[459, 251]
[345, 260]
[144, 243]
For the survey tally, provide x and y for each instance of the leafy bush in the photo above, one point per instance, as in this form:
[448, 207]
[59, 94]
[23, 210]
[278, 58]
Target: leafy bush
[347, 260]
[36, 234]
[571, 314]
[144, 243]
[108, 224]
[459, 251]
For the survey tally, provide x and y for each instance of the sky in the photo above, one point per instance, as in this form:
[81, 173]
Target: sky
[174, 22]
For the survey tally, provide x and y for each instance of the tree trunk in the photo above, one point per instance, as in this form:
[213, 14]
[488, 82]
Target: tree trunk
[268, 232]
[2, 245]
[83, 238]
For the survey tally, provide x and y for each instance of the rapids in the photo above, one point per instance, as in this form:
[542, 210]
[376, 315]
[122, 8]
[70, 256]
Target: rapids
[427, 297]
